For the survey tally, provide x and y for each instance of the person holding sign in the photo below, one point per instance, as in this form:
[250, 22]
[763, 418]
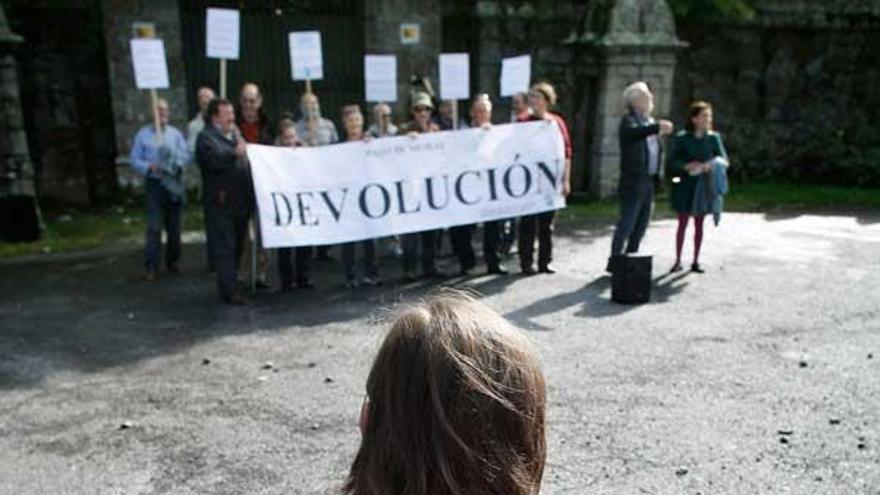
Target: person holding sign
[382, 125]
[445, 118]
[542, 97]
[160, 158]
[521, 109]
[290, 139]
[315, 130]
[228, 195]
[461, 235]
[421, 122]
[353, 120]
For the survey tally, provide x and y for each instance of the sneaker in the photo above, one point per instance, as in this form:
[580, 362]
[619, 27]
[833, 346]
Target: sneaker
[529, 271]
[150, 276]
[675, 268]
[697, 269]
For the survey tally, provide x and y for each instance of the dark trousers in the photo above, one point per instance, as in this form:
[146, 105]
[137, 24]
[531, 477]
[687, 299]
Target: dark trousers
[410, 244]
[163, 212]
[226, 229]
[285, 268]
[635, 213]
[541, 225]
[492, 237]
[461, 237]
[370, 269]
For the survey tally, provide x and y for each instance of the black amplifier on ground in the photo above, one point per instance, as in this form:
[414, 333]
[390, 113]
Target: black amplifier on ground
[631, 278]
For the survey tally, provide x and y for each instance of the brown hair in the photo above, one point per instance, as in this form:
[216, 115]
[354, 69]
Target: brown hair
[547, 90]
[456, 406]
[696, 109]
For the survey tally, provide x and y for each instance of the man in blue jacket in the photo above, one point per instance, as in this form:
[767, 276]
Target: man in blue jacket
[160, 158]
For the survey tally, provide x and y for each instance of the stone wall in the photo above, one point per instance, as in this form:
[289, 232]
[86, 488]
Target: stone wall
[589, 51]
[796, 73]
[64, 91]
[382, 20]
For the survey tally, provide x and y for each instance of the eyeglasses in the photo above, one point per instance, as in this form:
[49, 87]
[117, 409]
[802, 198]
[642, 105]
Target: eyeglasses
[421, 109]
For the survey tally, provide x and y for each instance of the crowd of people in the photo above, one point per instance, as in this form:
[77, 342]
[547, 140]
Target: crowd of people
[216, 142]
[217, 138]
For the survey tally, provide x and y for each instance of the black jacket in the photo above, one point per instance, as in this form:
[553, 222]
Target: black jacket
[633, 136]
[226, 178]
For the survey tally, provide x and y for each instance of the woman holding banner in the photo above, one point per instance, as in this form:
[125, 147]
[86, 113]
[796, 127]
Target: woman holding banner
[353, 122]
[542, 97]
[421, 108]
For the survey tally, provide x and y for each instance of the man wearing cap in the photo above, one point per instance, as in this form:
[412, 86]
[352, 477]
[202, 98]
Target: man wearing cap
[421, 108]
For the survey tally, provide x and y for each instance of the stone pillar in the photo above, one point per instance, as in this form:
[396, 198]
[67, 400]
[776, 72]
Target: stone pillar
[131, 106]
[20, 218]
[639, 44]
[382, 37]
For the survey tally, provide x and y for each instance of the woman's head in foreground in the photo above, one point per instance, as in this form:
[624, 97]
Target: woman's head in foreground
[455, 406]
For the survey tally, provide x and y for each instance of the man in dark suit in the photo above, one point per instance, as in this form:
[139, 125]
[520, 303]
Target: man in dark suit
[639, 164]
[227, 194]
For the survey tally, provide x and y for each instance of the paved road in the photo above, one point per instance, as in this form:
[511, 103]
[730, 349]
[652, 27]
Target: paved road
[761, 376]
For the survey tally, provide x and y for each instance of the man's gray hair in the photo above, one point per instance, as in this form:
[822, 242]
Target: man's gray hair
[633, 91]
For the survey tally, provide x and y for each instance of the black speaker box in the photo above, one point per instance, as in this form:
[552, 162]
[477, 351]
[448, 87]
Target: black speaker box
[631, 279]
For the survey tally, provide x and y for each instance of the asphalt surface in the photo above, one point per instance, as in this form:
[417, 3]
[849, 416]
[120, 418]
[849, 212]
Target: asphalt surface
[760, 376]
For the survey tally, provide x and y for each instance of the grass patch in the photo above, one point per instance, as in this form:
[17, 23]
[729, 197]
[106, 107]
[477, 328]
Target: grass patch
[751, 197]
[69, 229]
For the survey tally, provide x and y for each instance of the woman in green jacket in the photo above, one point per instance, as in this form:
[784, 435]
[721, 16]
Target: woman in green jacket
[690, 155]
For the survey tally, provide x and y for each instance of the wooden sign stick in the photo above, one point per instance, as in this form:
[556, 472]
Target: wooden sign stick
[223, 78]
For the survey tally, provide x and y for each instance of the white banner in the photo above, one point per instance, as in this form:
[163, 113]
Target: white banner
[363, 190]
[222, 33]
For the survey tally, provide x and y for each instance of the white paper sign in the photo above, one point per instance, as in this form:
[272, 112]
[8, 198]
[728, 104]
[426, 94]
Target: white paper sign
[455, 73]
[148, 58]
[306, 59]
[380, 78]
[364, 190]
[516, 74]
[222, 33]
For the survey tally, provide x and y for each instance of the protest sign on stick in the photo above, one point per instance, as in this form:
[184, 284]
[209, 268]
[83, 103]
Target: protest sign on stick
[516, 73]
[150, 72]
[380, 78]
[222, 42]
[454, 80]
